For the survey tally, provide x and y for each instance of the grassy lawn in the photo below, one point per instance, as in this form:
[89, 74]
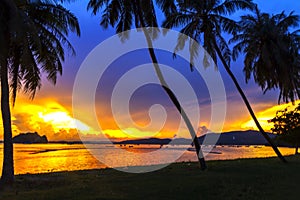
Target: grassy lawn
[238, 179]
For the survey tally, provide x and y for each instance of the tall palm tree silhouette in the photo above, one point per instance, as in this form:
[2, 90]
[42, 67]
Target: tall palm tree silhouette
[204, 21]
[33, 35]
[271, 52]
[123, 14]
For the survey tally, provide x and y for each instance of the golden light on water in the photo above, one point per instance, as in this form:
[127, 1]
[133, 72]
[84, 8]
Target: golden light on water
[41, 158]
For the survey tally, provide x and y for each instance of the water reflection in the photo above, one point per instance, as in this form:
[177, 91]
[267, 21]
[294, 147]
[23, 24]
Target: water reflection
[40, 158]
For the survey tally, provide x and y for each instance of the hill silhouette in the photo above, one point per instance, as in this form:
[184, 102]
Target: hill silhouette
[30, 138]
[249, 137]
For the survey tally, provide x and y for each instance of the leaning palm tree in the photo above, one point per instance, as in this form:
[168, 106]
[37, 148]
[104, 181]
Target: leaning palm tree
[205, 21]
[271, 52]
[122, 14]
[33, 36]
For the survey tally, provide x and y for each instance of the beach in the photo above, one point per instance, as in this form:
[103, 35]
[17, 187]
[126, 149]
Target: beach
[238, 179]
[44, 158]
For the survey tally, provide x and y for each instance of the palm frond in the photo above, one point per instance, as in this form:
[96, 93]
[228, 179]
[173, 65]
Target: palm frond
[167, 6]
[38, 44]
[271, 52]
[229, 7]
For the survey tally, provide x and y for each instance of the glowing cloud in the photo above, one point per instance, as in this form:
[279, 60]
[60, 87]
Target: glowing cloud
[47, 117]
[266, 115]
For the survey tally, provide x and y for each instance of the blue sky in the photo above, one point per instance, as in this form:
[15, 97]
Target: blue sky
[92, 35]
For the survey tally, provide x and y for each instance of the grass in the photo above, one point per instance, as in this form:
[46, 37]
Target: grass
[237, 179]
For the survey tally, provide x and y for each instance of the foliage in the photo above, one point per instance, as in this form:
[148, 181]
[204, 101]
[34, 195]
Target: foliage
[271, 51]
[33, 34]
[37, 38]
[124, 14]
[205, 21]
[287, 125]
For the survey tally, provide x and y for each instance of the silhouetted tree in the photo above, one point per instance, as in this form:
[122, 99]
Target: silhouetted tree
[33, 35]
[123, 14]
[287, 126]
[271, 52]
[205, 21]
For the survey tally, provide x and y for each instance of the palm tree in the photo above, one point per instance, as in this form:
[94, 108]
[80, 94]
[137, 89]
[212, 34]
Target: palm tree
[34, 34]
[205, 21]
[122, 14]
[271, 52]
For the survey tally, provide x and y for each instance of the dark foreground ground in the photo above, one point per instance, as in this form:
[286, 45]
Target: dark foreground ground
[238, 179]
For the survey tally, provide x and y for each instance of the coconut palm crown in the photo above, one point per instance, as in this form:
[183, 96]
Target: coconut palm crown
[271, 52]
[33, 37]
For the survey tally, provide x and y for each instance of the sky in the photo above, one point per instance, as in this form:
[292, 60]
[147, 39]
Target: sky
[51, 112]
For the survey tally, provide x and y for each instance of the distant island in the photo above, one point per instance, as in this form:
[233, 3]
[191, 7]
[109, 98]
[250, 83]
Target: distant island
[30, 138]
[249, 137]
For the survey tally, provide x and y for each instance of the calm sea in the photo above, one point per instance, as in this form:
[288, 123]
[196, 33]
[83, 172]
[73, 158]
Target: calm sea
[40, 158]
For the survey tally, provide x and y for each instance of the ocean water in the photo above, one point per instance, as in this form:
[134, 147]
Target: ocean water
[43, 158]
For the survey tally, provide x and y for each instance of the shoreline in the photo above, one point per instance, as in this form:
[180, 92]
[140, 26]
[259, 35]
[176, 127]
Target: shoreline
[154, 165]
[41, 159]
[257, 178]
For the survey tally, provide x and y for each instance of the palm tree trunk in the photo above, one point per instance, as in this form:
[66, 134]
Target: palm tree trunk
[175, 102]
[8, 162]
[171, 94]
[180, 110]
[7, 177]
[269, 140]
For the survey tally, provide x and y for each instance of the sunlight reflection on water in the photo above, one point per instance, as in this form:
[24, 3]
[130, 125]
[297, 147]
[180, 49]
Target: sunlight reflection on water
[41, 158]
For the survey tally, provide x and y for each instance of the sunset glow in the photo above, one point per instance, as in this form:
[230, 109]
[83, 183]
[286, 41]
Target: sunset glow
[265, 115]
[50, 113]
[47, 117]
[58, 119]
[56, 122]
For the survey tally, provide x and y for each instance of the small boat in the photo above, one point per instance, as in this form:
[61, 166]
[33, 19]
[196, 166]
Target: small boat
[215, 152]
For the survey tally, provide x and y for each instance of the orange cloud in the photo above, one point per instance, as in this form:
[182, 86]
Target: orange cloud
[53, 117]
[265, 115]
[47, 117]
